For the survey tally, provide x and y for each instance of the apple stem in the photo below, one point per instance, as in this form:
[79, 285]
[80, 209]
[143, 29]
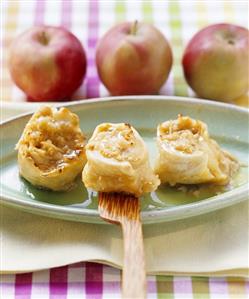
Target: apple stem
[44, 39]
[134, 28]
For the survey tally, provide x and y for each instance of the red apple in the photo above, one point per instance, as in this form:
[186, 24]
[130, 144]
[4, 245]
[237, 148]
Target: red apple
[48, 63]
[133, 58]
[215, 62]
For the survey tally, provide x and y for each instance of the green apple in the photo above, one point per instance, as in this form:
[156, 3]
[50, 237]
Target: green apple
[215, 62]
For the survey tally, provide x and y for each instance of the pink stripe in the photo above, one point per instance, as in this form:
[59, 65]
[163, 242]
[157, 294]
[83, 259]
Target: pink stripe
[66, 14]
[218, 286]
[92, 88]
[94, 280]
[247, 287]
[39, 12]
[58, 282]
[182, 285]
[23, 286]
[151, 285]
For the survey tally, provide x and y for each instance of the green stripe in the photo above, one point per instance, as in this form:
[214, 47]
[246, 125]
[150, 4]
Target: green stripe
[165, 288]
[200, 287]
[147, 11]
[120, 11]
[180, 86]
[175, 22]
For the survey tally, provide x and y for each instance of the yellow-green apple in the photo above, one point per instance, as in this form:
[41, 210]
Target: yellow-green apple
[133, 58]
[215, 62]
[48, 63]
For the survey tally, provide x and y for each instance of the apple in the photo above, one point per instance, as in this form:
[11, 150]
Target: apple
[48, 63]
[215, 62]
[133, 58]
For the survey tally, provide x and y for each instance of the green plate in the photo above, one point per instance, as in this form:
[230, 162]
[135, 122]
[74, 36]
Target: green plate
[227, 124]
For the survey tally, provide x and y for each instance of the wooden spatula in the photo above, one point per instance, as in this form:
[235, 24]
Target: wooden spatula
[125, 210]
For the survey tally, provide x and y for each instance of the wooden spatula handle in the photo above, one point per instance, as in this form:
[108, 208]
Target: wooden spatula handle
[124, 209]
[134, 277]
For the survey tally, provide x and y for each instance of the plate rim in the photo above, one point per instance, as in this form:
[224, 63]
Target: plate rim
[190, 100]
[173, 213]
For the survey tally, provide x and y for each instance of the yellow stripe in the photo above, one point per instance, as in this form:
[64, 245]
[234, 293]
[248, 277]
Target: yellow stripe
[120, 11]
[175, 22]
[12, 11]
[147, 11]
[229, 12]
[200, 288]
[9, 30]
[201, 12]
[236, 288]
[165, 288]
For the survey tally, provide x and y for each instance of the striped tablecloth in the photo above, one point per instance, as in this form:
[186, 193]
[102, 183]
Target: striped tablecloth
[91, 280]
[89, 20]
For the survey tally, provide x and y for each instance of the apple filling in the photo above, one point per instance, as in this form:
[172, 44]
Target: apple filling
[183, 135]
[117, 161]
[117, 142]
[52, 144]
[187, 154]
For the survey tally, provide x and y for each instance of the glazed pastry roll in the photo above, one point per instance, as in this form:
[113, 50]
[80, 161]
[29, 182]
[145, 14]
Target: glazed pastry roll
[117, 161]
[187, 154]
[51, 150]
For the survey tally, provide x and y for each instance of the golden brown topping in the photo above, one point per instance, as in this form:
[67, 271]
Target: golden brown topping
[114, 141]
[184, 134]
[189, 156]
[51, 137]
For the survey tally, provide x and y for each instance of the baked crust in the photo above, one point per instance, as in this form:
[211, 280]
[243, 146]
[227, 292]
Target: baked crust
[187, 154]
[117, 161]
[51, 150]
